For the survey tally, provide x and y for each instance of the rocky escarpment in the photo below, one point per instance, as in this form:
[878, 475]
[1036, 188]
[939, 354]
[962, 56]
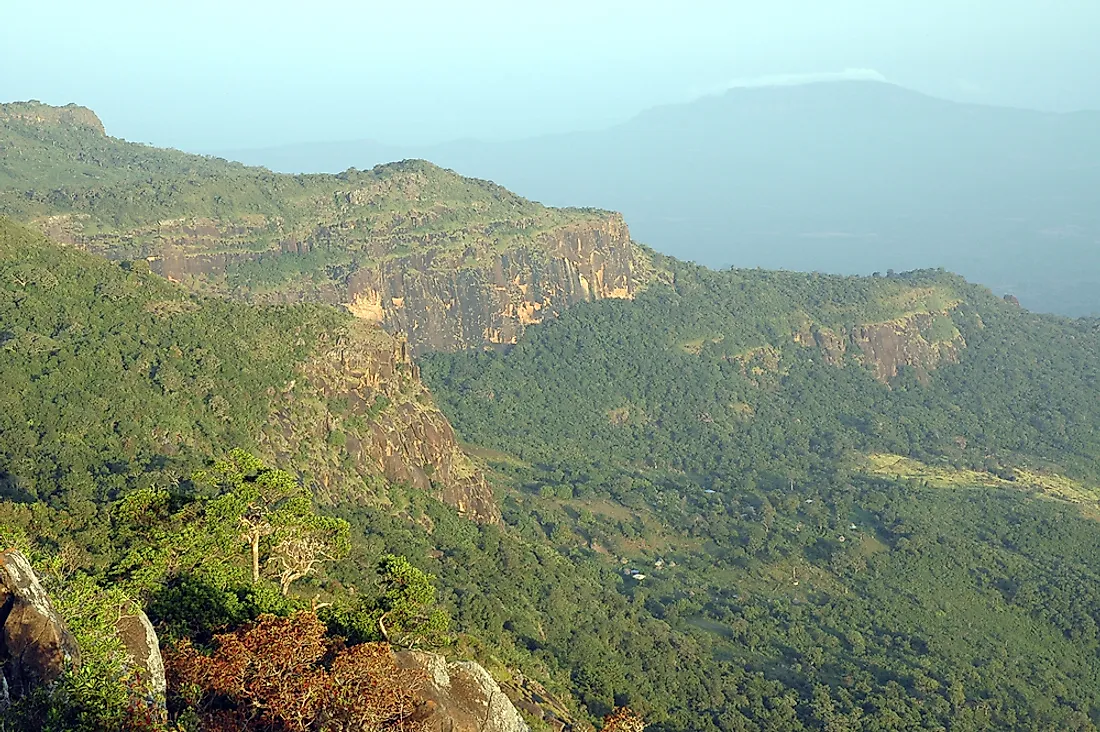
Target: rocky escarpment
[361, 407]
[922, 341]
[36, 113]
[456, 300]
[36, 646]
[448, 262]
[461, 696]
[438, 297]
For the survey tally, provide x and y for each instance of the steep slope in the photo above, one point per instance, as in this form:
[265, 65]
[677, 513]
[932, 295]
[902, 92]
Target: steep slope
[839, 177]
[114, 378]
[450, 262]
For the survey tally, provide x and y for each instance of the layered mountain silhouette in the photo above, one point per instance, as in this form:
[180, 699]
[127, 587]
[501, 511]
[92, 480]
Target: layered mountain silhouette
[848, 177]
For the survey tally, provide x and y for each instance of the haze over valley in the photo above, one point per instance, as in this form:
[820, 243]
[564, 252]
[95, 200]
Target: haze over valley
[841, 176]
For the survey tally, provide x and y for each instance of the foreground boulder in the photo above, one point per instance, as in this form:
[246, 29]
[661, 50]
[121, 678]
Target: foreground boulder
[461, 696]
[143, 652]
[35, 646]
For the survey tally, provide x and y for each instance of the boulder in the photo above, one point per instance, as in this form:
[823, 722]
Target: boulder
[35, 644]
[143, 651]
[461, 696]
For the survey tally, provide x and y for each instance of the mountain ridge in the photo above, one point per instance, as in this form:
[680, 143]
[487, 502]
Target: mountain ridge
[428, 253]
[846, 177]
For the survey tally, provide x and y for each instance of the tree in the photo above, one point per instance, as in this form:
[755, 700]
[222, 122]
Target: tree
[406, 610]
[260, 497]
[304, 540]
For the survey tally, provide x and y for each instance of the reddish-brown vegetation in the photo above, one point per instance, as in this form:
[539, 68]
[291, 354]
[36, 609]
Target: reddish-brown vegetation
[283, 674]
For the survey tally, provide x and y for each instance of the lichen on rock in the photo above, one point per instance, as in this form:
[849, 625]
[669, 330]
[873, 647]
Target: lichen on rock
[36, 647]
[461, 696]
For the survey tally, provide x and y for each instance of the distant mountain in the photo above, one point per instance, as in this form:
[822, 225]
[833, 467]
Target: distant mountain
[847, 177]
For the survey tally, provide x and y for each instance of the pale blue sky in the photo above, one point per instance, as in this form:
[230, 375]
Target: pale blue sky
[210, 75]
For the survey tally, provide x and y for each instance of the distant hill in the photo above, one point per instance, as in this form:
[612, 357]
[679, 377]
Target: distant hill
[847, 177]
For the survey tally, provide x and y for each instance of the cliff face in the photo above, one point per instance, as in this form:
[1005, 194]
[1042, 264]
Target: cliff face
[446, 261]
[476, 298]
[438, 297]
[922, 341]
[362, 409]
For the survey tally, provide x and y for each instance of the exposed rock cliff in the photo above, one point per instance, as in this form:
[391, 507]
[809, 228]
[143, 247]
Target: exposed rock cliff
[36, 645]
[922, 341]
[363, 403]
[439, 297]
[461, 696]
[448, 261]
[455, 300]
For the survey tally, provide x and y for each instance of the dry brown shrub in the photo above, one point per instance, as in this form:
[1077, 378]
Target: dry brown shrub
[285, 674]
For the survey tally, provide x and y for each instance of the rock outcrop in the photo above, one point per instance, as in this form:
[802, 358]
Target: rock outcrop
[886, 347]
[439, 297]
[475, 298]
[143, 652]
[387, 424]
[36, 646]
[36, 113]
[461, 696]
[921, 341]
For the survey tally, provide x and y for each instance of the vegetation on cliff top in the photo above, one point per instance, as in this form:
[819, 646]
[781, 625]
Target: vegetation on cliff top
[127, 200]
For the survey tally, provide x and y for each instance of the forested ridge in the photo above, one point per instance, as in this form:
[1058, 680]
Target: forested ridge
[772, 503]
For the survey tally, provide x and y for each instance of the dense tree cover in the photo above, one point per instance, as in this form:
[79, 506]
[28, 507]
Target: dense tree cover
[686, 536]
[868, 604]
[704, 376]
[114, 378]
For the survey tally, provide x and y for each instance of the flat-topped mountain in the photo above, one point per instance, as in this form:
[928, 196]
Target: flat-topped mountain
[451, 262]
[46, 115]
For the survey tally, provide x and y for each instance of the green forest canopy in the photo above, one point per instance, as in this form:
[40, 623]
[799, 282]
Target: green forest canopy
[633, 431]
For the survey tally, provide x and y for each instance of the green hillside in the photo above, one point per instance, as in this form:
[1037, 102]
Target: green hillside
[902, 553]
[112, 376]
[742, 500]
[129, 200]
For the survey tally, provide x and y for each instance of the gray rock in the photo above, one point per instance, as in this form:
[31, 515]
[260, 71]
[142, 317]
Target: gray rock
[462, 696]
[35, 646]
[143, 650]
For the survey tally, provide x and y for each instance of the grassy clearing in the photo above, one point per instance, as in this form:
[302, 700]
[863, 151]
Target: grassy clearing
[1049, 485]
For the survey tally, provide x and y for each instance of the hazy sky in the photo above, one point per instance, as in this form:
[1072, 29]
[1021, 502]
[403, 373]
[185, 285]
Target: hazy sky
[222, 74]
